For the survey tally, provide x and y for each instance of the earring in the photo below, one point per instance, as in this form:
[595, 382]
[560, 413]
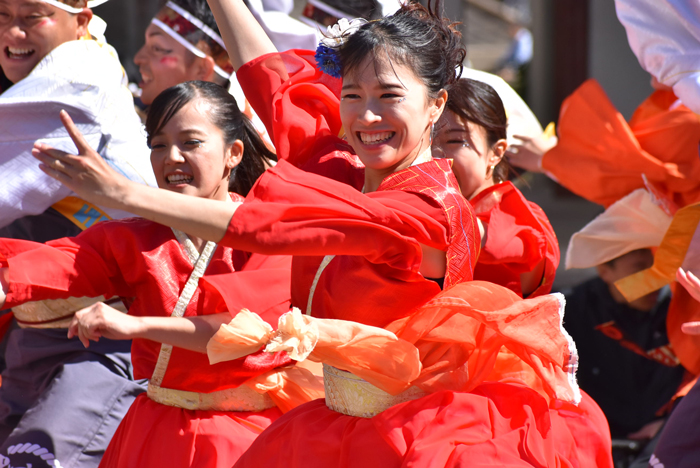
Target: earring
[489, 171]
[432, 130]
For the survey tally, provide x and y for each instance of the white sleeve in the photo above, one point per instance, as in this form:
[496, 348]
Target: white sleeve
[665, 37]
[284, 31]
[99, 104]
[26, 190]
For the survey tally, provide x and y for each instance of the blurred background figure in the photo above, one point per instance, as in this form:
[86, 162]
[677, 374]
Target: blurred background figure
[627, 364]
[512, 66]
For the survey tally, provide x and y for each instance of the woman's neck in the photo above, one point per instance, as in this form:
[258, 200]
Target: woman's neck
[220, 195]
[487, 183]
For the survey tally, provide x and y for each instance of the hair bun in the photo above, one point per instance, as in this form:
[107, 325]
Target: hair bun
[415, 36]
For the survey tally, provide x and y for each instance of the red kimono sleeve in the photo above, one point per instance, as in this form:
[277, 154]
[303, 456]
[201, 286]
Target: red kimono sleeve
[520, 237]
[299, 106]
[82, 266]
[291, 212]
[241, 289]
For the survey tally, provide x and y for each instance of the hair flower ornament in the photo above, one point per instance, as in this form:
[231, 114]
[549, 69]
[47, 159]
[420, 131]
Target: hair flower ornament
[326, 56]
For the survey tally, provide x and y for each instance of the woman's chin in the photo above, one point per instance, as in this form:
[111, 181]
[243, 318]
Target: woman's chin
[382, 160]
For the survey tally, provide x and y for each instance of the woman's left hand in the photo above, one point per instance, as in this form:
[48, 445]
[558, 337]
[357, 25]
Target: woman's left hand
[528, 154]
[691, 283]
[100, 320]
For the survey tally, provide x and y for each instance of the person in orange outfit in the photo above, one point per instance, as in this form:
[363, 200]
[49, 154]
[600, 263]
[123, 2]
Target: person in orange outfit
[656, 149]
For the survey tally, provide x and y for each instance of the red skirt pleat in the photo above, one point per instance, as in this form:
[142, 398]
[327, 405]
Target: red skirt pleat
[152, 434]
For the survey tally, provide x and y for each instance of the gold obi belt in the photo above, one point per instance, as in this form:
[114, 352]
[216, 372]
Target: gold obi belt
[348, 394]
[242, 398]
[56, 313]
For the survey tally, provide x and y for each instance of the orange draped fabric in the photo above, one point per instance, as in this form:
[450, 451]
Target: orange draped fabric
[659, 144]
[602, 158]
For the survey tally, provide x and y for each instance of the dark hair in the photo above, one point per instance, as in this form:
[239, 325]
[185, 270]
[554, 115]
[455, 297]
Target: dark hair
[367, 9]
[226, 115]
[478, 103]
[414, 36]
[199, 9]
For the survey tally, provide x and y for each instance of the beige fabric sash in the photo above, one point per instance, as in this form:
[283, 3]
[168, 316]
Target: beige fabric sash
[57, 313]
[348, 394]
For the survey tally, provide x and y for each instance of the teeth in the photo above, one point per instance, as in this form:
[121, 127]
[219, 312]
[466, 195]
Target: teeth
[15, 51]
[371, 138]
[179, 178]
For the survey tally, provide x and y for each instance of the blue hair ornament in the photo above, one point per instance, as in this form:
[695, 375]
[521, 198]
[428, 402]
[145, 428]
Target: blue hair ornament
[328, 61]
[327, 57]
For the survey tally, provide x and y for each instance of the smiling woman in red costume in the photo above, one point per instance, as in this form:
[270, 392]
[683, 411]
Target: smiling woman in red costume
[412, 373]
[202, 147]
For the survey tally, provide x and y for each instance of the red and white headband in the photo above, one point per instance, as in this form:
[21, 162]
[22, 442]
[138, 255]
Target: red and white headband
[196, 36]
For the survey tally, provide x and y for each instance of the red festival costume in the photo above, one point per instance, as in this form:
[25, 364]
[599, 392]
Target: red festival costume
[490, 380]
[143, 261]
[520, 239]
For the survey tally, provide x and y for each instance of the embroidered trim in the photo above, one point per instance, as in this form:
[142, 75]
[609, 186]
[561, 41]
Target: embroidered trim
[51, 313]
[200, 266]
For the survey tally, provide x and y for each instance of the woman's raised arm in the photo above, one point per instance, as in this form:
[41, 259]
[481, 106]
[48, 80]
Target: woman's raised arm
[88, 175]
[245, 39]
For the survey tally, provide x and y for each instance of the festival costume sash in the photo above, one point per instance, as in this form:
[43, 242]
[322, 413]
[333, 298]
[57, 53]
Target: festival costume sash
[235, 399]
[472, 333]
[680, 247]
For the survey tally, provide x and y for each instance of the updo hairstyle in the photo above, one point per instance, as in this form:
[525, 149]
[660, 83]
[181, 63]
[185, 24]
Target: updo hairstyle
[416, 37]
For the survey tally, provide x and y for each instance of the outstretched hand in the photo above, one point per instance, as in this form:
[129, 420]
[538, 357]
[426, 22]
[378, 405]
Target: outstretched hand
[100, 320]
[528, 154]
[691, 283]
[86, 173]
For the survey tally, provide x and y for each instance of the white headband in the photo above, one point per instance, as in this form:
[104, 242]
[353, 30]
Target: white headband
[183, 41]
[70, 9]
